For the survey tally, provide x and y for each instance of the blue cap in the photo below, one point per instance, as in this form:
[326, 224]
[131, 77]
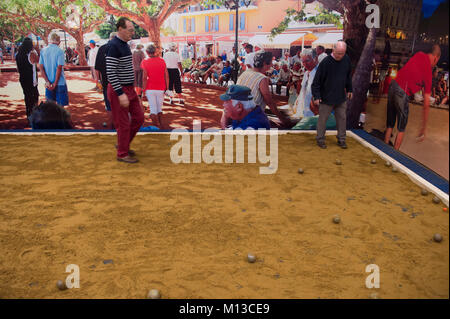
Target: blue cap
[92, 41]
[238, 93]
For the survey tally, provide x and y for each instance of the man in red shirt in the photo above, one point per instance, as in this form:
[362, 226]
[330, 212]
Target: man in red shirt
[413, 77]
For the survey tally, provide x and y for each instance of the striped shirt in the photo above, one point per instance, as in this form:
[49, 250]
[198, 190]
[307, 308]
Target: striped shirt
[252, 79]
[119, 65]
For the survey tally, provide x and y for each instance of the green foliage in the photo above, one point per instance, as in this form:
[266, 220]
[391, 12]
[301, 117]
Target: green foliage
[186, 63]
[324, 17]
[105, 29]
[168, 31]
[291, 14]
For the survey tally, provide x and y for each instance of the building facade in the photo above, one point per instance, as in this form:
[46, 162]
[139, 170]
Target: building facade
[211, 30]
[399, 20]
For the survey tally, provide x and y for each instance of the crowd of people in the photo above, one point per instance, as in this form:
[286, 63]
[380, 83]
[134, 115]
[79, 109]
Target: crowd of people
[317, 84]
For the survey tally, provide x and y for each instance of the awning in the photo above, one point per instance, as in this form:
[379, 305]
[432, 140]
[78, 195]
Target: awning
[306, 40]
[281, 41]
[328, 39]
[242, 37]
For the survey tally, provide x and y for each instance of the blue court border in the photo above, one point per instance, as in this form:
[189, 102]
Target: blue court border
[422, 171]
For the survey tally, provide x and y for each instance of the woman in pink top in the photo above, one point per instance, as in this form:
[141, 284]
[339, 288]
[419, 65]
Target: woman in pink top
[156, 82]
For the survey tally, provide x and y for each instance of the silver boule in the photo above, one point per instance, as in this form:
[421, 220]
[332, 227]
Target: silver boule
[436, 200]
[388, 164]
[251, 258]
[424, 192]
[373, 161]
[338, 162]
[154, 294]
[61, 285]
[336, 219]
[437, 238]
[301, 171]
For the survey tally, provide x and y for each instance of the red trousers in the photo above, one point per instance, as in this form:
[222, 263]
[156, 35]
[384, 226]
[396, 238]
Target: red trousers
[127, 121]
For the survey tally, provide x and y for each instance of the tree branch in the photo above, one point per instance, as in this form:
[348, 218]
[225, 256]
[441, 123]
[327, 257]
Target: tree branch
[109, 8]
[168, 8]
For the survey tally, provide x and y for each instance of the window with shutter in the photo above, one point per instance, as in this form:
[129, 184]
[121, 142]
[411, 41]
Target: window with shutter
[231, 22]
[242, 21]
[184, 25]
[216, 23]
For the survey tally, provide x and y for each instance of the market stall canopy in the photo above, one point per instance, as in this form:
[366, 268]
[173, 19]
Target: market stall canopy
[306, 40]
[328, 40]
[281, 41]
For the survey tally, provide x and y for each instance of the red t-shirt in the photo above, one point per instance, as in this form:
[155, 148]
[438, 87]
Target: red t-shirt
[155, 68]
[416, 74]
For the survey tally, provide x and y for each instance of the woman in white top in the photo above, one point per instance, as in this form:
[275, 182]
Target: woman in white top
[175, 69]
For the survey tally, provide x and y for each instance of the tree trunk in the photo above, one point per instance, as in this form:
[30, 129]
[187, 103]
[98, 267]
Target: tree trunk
[361, 81]
[80, 49]
[154, 29]
[355, 30]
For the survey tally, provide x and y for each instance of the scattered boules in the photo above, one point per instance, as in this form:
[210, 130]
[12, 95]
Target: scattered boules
[388, 164]
[61, 285]
[394, 170]
[300, 171]
[424, 192]
[373, 161]
[338, 162]
[336, 219]
[154, 294]
[437, 238]
[436, 200]
[251, 258]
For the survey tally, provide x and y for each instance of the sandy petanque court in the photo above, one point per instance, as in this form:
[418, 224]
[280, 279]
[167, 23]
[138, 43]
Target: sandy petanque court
[186, 229]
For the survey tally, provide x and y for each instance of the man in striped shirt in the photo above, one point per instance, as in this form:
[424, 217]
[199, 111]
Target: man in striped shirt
[127, 108]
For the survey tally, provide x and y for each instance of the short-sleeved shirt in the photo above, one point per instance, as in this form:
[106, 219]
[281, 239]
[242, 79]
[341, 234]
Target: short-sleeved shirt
[51, 57]
[416, 74]
[255, 119]
[172, 59]
[250, 59]
[252, 79]
[92, 56]
[226, 70]
[155, 68]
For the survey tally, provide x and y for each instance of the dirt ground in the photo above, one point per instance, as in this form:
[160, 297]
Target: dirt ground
[87, 108]
[186, 229]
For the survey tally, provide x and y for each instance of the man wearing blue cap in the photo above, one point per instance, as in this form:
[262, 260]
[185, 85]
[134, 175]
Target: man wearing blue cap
[239, 106]
[92, 55]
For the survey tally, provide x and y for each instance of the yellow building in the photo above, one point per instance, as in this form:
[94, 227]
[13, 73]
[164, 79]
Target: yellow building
[212, 29]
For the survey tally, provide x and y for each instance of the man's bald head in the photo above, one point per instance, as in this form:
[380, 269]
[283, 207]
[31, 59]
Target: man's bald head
[435, 54]
[339, 50]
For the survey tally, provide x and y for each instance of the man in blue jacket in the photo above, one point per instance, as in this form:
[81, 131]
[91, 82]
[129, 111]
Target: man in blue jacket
[239, 106]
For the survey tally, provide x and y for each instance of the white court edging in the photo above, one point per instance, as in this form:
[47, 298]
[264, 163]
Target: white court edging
[416, 179]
